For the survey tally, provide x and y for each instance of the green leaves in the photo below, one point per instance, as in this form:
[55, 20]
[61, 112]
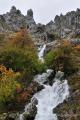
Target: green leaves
[62, 58]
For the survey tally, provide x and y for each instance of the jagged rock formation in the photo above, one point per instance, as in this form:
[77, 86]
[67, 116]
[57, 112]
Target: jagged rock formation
[69, 24]
[64, 26]
[14, 19]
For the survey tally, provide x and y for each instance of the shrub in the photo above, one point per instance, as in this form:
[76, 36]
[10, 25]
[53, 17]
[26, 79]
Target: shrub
[63, 59]
[8, 84]
[16, 59]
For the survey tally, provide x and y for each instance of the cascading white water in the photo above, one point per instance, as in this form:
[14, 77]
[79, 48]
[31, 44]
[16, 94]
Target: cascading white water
[40, 56]
[41, 53]
[49, 98]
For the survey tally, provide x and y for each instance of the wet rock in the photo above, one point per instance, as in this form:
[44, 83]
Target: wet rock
[3, 116]
[31, 110]
[28, 117]
[59, 75]
[51, 77]
[12, 116]
[43, 78]
[34, 101]
[39, 87]
[9, 116]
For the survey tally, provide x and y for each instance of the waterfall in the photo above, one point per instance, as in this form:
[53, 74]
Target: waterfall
[49, 98]
[41, 53]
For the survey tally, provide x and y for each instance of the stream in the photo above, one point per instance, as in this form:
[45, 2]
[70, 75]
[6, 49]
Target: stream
[50, 96]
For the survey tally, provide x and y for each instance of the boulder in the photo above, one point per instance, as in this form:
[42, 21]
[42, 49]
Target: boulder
[9, 116]
[31, 110]
[30, 13]
[59, 75]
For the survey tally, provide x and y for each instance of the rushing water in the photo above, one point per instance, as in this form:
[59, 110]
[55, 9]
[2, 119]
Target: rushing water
[50, 96]
[41, 53]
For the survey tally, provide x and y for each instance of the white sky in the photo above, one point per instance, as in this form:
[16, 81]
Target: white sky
[44, 10]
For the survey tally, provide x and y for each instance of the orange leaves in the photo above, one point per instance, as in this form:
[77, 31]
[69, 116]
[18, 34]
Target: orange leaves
[21, 39]
[8, 84]
[68, 42]
[6, 72]
[65, 42]
[77, 47]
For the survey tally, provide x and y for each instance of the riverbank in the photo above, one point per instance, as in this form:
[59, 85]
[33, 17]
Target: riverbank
[70, 109]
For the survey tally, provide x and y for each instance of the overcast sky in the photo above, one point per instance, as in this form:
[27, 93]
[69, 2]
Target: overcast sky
[44, 10]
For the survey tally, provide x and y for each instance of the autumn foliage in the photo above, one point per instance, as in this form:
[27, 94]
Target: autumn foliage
[8, 84]
[22, 40]
[63, 59]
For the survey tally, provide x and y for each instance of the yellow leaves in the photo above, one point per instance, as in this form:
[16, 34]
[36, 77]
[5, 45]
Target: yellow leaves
[6, 72]
[8, 83]
[18, 88]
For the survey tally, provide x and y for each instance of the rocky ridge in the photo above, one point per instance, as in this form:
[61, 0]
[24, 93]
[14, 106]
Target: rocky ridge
[64, 26]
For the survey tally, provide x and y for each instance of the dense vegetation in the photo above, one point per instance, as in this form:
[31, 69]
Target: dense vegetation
[19, 55]
[63, 58]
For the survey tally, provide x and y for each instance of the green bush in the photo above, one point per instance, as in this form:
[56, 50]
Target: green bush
[15, 60]
[41, 67]
[51, 56]
[63, 59]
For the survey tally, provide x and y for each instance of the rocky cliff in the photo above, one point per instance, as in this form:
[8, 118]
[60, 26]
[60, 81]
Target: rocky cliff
[64, 26]
[12, 21]
[68, 24]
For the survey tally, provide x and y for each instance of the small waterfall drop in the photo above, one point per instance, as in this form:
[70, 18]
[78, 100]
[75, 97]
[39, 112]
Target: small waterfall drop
[41, 53]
